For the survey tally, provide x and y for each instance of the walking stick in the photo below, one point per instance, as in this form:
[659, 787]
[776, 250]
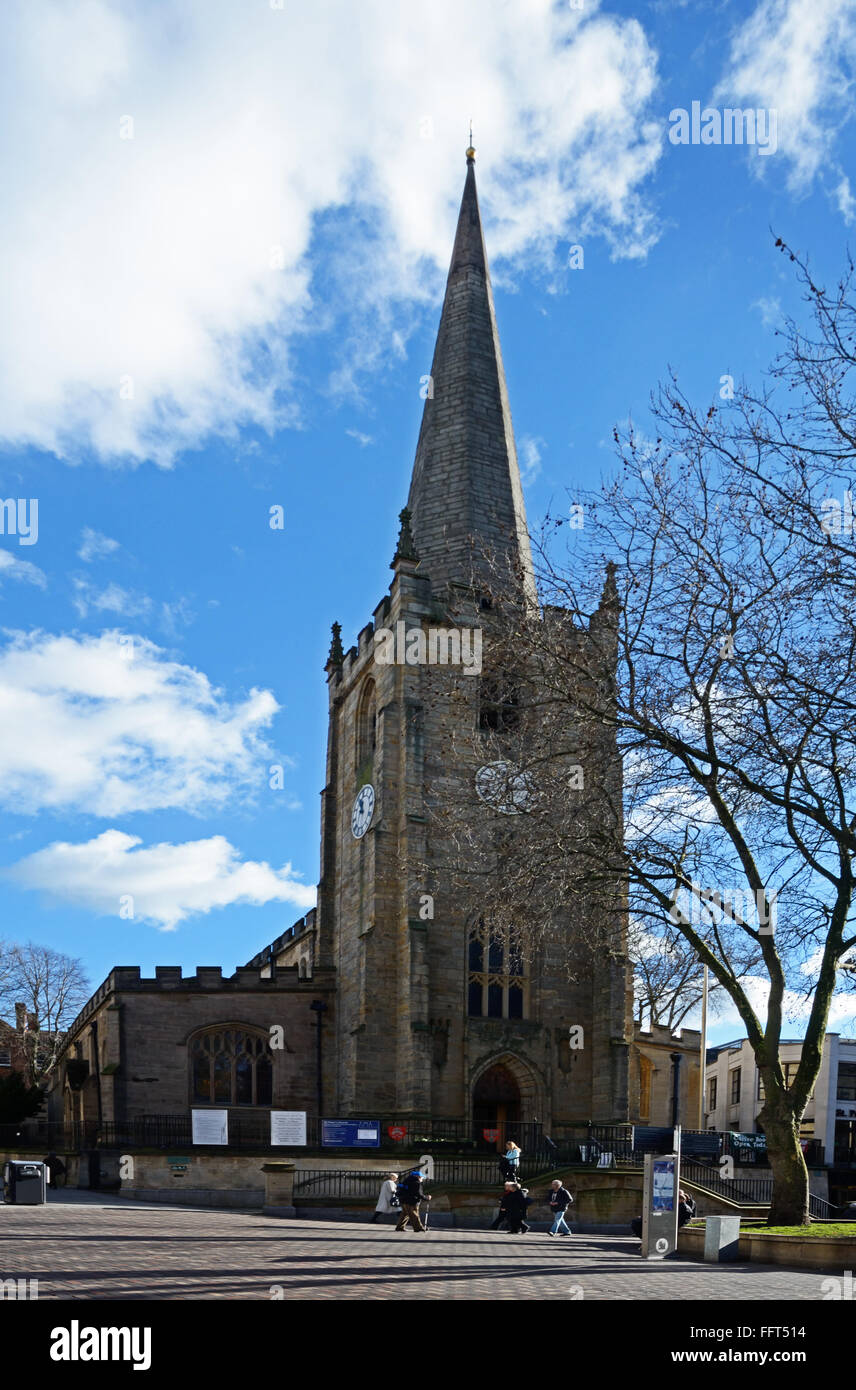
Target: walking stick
[427, 1211]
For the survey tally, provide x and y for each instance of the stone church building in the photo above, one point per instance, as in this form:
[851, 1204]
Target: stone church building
[387, 1012]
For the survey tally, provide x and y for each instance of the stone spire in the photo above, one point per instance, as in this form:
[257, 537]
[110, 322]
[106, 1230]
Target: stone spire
[406, 549]
[465, 494]
[337, 655]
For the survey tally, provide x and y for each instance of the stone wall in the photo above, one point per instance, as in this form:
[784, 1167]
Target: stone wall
[134, 1036]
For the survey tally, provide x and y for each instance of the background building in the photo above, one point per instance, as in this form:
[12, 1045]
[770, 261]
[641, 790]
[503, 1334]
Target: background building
[734, 1093]
[667, 1063]
[13, 1041]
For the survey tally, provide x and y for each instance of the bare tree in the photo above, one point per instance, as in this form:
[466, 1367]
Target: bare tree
[719, 662]
[54, 988]
[668, 978]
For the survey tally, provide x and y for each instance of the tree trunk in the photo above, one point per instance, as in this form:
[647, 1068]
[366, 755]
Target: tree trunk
[789, 1204]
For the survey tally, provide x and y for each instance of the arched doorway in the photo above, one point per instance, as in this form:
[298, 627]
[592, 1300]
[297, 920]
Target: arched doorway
[496, 1105]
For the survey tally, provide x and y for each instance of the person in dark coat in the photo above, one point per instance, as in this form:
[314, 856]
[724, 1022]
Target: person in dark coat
[410, 1195]
[686, 1208]
[560, 1199]
[502, 1214]
[515, 1203]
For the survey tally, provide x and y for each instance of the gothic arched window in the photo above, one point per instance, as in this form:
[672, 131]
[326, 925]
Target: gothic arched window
[366, 724]
[496, 978]
[231, 1065]
[646, 1076]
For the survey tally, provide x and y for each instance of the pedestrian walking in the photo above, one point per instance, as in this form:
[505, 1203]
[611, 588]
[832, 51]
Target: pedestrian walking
[560, 1199]
[387, 1198]
[410, 1195]
[502, 1214]
[511, 1161]
[516, 1202]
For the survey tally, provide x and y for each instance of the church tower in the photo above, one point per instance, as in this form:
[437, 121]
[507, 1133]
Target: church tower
[427, 1019]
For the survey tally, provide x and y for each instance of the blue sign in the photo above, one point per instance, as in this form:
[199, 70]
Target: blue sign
[351, 1134]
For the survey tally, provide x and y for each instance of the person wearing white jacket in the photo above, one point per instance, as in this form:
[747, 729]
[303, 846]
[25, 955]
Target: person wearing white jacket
[386, 1200]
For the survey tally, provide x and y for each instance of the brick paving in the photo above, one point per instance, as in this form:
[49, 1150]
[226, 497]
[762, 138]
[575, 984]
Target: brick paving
[103, 1248]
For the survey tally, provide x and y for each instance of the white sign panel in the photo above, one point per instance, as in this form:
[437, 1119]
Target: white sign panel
[288, 1127]
[210, 1126]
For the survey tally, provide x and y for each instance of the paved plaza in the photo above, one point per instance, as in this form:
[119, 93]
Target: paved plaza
[92, 1247]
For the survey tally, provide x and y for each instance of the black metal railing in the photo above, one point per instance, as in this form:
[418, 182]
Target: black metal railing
[743, 1191]
[443, 1173]
[748, 1191]
[50, 1135]
[338, 1183]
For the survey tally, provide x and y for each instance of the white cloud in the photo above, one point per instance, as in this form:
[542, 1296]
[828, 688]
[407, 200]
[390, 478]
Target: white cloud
[798, 59]
[845, 199]
[153, 285]
[529, 458]
[771, 310]
[111, 599]
[170, 618]
[22, 570]
[160, 884]
[95, 546]
[112, 727]
[796, 1007]
[362, 439]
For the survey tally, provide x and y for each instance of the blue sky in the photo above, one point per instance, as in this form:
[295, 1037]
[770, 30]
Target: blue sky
[226, 305]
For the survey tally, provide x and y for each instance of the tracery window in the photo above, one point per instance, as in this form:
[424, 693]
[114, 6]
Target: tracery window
[496, 979]
[231, 1066]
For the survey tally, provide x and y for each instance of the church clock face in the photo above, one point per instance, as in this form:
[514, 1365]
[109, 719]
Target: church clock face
[361, 816]
[501, 786]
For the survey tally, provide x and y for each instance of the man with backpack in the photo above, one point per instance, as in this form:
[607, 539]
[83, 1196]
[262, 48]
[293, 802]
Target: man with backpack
[410, 1194]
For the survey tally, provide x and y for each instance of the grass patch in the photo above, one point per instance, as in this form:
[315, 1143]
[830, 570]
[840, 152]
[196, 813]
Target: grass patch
[817, 1230]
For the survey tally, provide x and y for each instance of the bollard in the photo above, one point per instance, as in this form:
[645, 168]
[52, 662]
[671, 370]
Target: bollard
[279, 1189]
[721, 1239]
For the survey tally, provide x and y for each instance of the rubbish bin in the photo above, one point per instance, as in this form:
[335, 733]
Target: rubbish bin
[24, 1183]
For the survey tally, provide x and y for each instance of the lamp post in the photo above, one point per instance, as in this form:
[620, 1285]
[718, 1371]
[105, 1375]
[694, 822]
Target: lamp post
[676, 1087]
[703, 1057]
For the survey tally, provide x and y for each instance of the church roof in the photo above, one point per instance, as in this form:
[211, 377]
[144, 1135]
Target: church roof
[465, 494]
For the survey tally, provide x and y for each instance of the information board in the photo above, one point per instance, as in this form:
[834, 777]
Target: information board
[351, 1134]
[210, 1126]
[663, 1186]
[288, 1127]
[660, 1205]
